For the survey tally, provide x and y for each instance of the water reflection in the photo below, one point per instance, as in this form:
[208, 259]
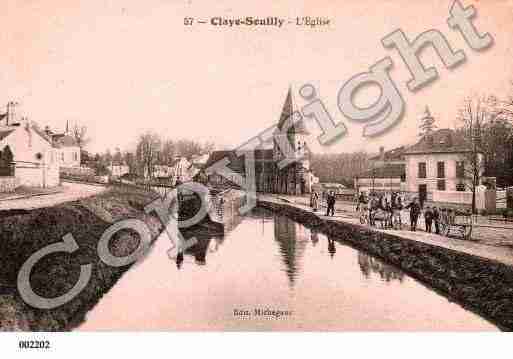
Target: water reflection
[385, 271]
[292, 240]
[270, 261]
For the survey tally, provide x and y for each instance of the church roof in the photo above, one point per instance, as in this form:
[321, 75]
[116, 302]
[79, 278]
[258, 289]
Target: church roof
[237, 163]
[288, 109]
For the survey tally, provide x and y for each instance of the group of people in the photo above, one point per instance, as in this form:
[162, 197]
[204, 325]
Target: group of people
[383, 207]
[330, 198]
[387, 209]
[392, 205]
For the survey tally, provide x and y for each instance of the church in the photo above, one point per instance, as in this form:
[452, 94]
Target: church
[294, 179]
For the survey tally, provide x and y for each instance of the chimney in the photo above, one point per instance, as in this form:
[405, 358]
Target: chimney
[11, 112]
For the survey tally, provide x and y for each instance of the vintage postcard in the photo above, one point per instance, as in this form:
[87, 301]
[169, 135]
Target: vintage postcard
[183, 166]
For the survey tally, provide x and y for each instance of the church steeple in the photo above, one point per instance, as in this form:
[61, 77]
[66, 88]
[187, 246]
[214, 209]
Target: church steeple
[289, 107]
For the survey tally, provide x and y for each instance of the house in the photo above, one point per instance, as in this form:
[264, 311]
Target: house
[335, 187]
[387, 172]
[295, 178]
[160, 171]
[386, 178]
[200, 160]
[118, 169]
[436, 167]
[68, 150]
[183, 170]
[27, 155]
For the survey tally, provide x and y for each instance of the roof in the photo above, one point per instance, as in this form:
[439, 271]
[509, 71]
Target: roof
[64, 140]
[441, 141]
[288, 109]
[395, 154]
[5, 133]
[236, 163]
[390, 170]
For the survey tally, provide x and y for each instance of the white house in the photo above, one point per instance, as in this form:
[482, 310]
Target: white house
[183, 170]
[434, 169]
[437, 166]
[118, 169]
[68, 151]
[200, 161]
[27, 156]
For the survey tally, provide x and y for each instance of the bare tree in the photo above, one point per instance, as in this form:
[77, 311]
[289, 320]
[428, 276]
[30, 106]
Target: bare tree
[474, 115]
[80, 135]
[168, 151]
[147, 153]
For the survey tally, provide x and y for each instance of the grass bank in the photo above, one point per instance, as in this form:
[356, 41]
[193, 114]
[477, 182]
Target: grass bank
[22, 233]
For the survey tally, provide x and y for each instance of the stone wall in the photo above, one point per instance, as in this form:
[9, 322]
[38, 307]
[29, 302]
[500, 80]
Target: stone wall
[478, 284]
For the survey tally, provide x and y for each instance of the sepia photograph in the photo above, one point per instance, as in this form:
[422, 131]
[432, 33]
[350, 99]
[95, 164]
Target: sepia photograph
[251, 167]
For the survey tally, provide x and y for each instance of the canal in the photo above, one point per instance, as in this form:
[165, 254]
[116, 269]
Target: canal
[270, 263]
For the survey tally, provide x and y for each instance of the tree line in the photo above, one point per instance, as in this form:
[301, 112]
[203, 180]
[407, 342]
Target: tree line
[150, 150]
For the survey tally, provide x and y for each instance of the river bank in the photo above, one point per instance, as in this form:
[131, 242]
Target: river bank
[24, 232]
[478, 284]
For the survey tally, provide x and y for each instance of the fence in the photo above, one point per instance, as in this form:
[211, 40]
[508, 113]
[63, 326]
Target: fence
[8, 184]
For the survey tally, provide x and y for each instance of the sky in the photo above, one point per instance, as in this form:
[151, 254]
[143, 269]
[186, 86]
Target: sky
[124, 67]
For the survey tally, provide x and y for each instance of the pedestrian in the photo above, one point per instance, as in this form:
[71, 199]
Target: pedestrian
[414, 207]
[436, 219]
[331, 204]
[428, 219]
[314, 201]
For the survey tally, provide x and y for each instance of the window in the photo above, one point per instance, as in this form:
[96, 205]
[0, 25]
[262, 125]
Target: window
[460, 187]
[62, 156]
[422, 170]
[440, 169]
[440, 185]
[460, 169]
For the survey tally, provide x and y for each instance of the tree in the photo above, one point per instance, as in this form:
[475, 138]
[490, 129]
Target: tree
[474, 114]
[168, 151]
[427, 124]
[147, 153]
[118, 157]
[188, 148]
[130, 161]
[80, 135]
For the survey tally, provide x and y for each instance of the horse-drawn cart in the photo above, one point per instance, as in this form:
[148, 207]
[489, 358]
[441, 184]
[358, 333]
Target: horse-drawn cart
[456, 224]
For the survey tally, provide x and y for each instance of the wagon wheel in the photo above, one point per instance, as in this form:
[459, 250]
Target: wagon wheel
[467, 232]
[445, 230]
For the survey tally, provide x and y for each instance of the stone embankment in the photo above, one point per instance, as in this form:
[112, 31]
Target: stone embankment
[481, 285]
[24, 232]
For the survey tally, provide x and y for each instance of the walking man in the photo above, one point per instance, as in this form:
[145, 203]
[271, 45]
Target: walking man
[331, 204]
[436, 218]
[414, 207]
[428, 219]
